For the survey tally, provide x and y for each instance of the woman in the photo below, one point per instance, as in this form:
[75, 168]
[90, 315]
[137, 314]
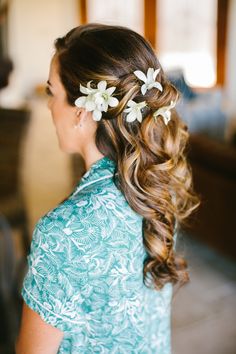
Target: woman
[103, 262]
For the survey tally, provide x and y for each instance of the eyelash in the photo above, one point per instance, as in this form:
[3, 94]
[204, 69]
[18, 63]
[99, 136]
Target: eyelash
[48, 91]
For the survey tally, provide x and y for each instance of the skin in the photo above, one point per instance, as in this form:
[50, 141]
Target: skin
[75, 130]
[74, 126]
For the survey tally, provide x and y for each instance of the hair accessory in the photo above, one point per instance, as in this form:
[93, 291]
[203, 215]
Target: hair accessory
[97, 99]
[134, 111]
[164, 112]
[149, 80]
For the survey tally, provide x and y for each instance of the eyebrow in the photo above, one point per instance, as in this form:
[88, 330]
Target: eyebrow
[49, 83]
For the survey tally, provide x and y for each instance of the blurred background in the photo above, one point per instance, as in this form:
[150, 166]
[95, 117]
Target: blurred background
[196, 44]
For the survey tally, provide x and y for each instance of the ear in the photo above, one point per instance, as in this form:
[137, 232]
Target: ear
[82, 117]
[79, 116]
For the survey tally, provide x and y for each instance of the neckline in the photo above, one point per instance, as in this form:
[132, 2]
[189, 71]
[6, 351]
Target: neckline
[104, 161]
[101, 169]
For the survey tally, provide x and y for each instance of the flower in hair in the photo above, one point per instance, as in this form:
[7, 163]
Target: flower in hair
[97, 99]
[164, 112]
[149, 80]
[86, 101]
[134, 111]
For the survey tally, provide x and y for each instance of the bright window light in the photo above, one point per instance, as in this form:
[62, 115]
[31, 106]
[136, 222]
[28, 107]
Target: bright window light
[127, 13]
[187, 39]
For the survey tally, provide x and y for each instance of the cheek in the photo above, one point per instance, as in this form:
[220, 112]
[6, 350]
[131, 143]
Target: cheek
[54, 108]
[62, 114]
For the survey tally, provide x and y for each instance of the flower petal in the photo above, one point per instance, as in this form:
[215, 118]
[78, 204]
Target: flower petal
[90, 105]
[80, 101]
[144, 89]
[102, 85]
[98, 99]
[156, 72]
[139, 116]
[110, 90]
[97, 115]
[158, 85]
[104, 106]
[172, 104]
[83, 89]
[158, 112]
[165, 113]
[127, 110]
[150, 73]
[141, 105]
[166, 117]
[131, 116]
[89, 86]
[113, 102]
[131, 103]
[140, 75]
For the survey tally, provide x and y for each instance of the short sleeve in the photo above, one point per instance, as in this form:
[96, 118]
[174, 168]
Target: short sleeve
[51, 286]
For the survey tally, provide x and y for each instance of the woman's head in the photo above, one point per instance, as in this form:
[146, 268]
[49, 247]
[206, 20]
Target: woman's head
[153, 173]
[65, 116]
[100, 52]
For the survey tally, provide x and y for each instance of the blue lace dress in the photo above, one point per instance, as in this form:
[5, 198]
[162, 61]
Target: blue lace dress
[85, 273]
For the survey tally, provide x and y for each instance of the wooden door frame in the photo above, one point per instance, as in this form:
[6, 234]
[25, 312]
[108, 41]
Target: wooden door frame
[82, 11]
[221, 40]
[150, 21]
[151, 30]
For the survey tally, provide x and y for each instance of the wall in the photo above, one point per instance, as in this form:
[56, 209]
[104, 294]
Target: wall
[33, 26]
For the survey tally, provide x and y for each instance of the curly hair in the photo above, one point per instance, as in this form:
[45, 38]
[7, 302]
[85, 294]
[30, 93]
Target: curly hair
[153, 173]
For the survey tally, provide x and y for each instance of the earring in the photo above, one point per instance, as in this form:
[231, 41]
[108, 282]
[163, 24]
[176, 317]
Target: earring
[77, 125]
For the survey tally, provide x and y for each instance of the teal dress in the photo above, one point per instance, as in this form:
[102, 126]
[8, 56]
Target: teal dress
[85, 273]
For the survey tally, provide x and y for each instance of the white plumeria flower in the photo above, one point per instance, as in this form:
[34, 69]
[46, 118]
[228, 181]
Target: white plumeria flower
[103, 96]
[149, 80]
[98, 99]
[165, 112]
[134, 111]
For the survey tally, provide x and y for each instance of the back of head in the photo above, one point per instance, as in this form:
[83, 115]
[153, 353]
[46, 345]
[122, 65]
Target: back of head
[153, 173]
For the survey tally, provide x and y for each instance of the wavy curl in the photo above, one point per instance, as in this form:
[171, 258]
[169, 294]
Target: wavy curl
[154, 174]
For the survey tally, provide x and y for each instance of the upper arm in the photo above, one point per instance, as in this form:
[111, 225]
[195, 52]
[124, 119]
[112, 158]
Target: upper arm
[57, 287]
[36, 336]
[50, 291]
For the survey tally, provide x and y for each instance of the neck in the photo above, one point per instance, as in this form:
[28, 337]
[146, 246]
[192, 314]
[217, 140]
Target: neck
[91, 158]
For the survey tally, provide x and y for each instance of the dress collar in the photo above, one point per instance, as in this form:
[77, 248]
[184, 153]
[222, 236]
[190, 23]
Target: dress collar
[100, 169]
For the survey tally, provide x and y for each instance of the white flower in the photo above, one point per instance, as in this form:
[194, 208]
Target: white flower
[97, 99]
[86, 101]
[149, 80]
[87, 90]
[134, 111]
[103, 96]
[164, 112]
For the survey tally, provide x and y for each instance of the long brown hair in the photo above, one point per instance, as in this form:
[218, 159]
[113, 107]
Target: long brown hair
[154, 175]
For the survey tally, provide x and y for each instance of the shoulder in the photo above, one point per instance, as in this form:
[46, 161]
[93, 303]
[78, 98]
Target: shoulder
[104, 198]
[96, 210]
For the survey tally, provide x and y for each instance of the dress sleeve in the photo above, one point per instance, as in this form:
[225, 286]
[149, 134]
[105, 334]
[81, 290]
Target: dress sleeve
[49, 285]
